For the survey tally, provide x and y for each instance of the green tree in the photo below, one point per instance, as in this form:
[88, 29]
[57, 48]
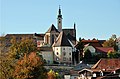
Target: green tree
[79, 48]
[113, 54]
[30, 67]
[87, 56]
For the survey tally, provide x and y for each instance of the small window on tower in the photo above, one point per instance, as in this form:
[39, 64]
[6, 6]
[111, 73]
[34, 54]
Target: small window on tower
[59, 22]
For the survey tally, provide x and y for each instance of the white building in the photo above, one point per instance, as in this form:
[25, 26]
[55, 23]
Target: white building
[62, 49]
[47, 54]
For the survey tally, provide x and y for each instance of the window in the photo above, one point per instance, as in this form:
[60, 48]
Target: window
[56, 35]
[20, 38]
[64, 53]
[56, 48]
[57, 53]
[52, 39]
[69, 53]
[70, 59]
[63, 48]
[64, 58]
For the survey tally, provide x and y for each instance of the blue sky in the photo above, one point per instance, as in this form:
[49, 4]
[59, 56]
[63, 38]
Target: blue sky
[94, 18]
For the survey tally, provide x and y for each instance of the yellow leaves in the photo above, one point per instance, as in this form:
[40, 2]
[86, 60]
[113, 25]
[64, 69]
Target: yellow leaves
[52, 75]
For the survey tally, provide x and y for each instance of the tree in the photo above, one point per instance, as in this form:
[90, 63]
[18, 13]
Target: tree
[79, 48]
[109, 43]
[53, 75]
[19, 48]
[113, 54]
[30, 67]
[6, 66]
[2, 44]
[87, 55]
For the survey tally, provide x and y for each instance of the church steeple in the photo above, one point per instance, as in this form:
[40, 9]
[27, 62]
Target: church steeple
[59, 10]
[59, 20]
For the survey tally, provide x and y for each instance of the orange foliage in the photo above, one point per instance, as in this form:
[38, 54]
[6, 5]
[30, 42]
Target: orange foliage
[27, 66]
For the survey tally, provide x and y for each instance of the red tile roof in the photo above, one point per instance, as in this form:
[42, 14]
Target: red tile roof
[107, 64]
[94, 43]
[104, 49]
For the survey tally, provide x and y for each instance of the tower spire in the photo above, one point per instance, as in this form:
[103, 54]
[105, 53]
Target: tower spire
[59, 10]
[59, 20]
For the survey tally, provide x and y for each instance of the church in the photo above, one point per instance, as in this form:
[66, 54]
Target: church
[61, 41]
[56, 45]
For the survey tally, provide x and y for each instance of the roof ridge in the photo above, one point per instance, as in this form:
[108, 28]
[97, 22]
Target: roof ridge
[94, 66]
[52, 28]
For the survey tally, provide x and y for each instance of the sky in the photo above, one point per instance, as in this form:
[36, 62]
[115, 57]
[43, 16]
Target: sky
[94, 18]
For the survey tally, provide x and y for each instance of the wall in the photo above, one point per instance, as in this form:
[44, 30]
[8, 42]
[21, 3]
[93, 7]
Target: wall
[48, 56]
[63, 54]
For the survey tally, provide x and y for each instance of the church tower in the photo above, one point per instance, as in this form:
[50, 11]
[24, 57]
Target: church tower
[59, 18]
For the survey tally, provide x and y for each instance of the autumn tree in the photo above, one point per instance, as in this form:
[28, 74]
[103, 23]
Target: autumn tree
[18, 48]
[30, 67]
[2, 44]
[110, 43]
[6, 66]
[53, 75]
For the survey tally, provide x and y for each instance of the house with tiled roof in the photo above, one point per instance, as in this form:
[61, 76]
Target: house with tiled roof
[96, 48]
[103, 50]
[94, 42]
[103, 68]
